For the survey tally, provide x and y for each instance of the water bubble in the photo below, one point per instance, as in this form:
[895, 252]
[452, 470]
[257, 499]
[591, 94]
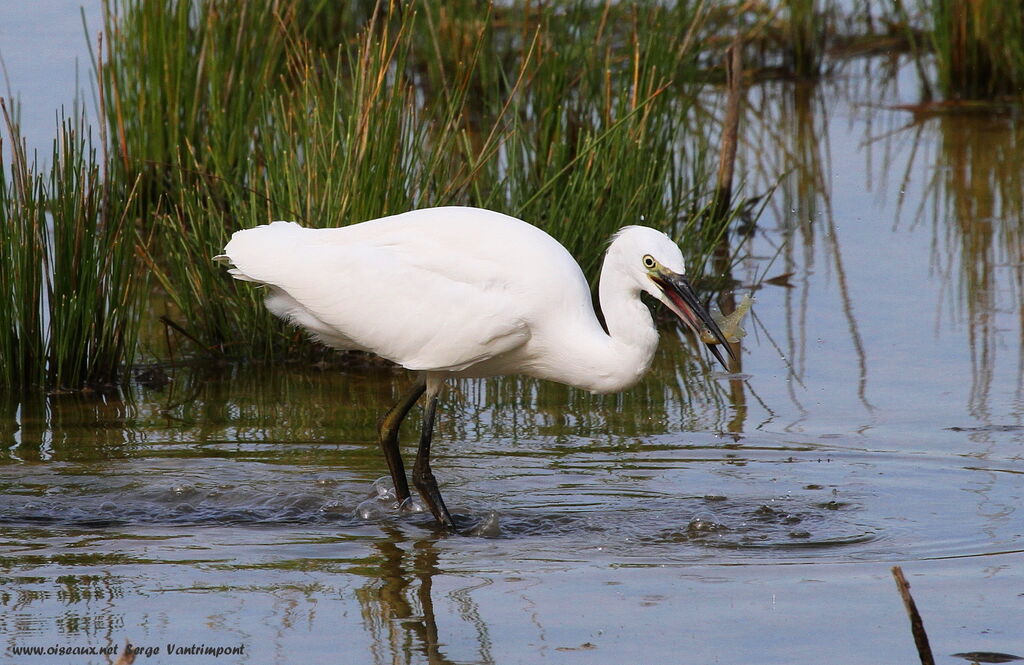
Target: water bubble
[383, 488]
[371, 509]
[704, 522]
[325, 481]
[489, 526]
[698, 525]
[411, 506]
[335, 507]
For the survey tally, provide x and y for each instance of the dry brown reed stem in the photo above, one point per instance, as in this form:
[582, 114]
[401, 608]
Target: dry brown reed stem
[720, 206]
[924, 650]
[730, 130]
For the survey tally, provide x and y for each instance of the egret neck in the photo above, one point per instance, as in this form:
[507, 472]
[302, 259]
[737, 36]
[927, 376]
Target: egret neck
[613, 361]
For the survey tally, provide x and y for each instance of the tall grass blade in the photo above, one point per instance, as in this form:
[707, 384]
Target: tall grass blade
[70, 287]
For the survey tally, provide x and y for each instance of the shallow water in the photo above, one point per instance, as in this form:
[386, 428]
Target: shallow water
[700, 518]
[230, 520]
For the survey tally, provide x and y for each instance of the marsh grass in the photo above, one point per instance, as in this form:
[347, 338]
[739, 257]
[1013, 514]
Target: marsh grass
[181, 83]
[580, 117]
[964, 50]
[70, 284]
[788, 39]
[979, 47]
[93, 284]
[23, 217]
[806, 37]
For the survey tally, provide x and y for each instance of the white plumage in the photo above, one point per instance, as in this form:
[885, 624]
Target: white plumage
[456, 292]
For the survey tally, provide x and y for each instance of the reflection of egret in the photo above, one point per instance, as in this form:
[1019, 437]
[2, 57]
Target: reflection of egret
[398, 599]
[463, 292]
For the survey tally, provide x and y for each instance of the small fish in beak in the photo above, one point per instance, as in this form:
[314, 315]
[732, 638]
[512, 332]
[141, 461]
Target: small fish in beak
[730, 324]
[683, 301]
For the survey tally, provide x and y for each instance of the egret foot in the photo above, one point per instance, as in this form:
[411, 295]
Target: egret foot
[423, 477]
[388, 429]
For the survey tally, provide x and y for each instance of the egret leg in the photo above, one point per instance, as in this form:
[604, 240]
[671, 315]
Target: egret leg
[388, 427]
[422, 476]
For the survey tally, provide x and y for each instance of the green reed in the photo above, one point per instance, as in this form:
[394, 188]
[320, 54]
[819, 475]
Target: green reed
[600, 137]
[342, 141]
[181, 83]
[979, 47]
[805, 35]
[22, 238]
[70, 284]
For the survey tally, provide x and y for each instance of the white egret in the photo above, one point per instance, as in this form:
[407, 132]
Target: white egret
[464, 292]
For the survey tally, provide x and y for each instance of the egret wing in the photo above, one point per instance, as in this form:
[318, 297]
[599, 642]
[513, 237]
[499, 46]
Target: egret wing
[413, 300]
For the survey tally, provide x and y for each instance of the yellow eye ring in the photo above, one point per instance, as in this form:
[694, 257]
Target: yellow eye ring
[649, 261]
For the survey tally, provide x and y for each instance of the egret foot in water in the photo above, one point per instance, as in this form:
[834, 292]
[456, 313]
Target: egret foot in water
[422, 476]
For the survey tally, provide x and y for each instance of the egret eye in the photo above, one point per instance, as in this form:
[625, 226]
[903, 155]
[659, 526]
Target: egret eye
[649, 261]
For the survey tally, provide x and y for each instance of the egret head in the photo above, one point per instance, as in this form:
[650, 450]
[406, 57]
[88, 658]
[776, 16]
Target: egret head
[657, 266]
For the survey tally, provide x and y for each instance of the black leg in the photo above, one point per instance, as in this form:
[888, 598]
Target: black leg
[388, 427]
[423, 477]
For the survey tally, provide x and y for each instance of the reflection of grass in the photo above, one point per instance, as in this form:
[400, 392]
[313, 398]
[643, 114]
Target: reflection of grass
[805, 36]
[973, 200]
[979, 211]
[329, 418]
[803, 208]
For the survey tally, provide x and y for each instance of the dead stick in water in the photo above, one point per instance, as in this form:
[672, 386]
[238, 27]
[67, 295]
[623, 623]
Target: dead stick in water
[719, 212]
[924, 651]
[730, 130]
